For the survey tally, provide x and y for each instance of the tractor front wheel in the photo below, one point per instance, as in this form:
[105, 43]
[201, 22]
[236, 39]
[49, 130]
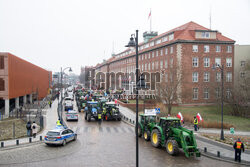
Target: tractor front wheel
[172, 147]
[146, 135]
[139, 130]
[89, 117]
[156, 138]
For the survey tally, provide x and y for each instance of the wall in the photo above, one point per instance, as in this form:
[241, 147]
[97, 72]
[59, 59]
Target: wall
[26, 78]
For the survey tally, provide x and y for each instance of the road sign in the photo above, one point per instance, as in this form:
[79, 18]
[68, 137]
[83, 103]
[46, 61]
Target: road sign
[150, 112]
[232, 130]
[157, 110]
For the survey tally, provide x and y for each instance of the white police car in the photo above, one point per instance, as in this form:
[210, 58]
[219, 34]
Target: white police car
[59, 136]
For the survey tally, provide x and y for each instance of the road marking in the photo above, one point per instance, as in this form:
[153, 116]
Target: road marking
[100, 129]
[108, 129]
[86, 129]
[130, 129]
[116, 130]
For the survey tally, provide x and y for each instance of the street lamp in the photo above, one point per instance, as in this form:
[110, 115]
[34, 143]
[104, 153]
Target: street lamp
[62, 71]
[221, 67]
[133, 43]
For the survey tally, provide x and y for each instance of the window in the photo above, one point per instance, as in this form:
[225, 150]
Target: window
[206, 76]
[242, 63]
[229, 49]
[218, 48]
[156, 53]
[228, 93]
[195, 48]
[195, 93]
[205, 34]
[158, 41]
[218, 76]
[171, 37]
[217, 62]
[229, 62]
[166, 64]
[206, 62]
[149, 66]
[161, 64]
[206, 93]
[142, 67]
[165, 39]
[161, 52]
[142, 56]
[195, 76]
[229, 77]
[217, 92]
[2, 84]
[206, 48]
[242, 74]
[156, 65]
[171, 62]
[1, 62]
[153, 54]
[166, 51]
[152, 43]
[146, 66]
[171, 49]
[153, 65]
[148, 55]
[195, 61]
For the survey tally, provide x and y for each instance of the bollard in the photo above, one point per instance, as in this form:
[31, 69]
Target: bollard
[218, 154]
[129, 120]
[205, 149]
[2, 144]
[30, 139]
[41, 138]
[133, 122]
[17, 142]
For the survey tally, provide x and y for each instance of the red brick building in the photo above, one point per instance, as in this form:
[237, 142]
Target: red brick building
[20, 79]
[191, 50]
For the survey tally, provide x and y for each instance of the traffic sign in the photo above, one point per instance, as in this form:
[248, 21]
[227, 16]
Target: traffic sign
[232, 130]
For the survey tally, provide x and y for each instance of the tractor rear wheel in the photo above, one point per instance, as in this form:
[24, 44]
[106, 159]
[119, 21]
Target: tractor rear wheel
[146, 135]
[156, 138]
[172, 147]
[88, 117]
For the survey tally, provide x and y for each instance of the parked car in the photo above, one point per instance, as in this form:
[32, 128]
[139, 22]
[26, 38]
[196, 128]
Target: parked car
[72, 115]
[59, 136]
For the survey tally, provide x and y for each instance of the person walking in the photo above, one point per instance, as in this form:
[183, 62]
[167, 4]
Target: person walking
[238, 146]
[28, 127]
[34, 129]
[195, 123]
[99, 115]
[50, 104]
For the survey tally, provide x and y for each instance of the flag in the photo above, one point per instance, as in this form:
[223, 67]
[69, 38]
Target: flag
[149, 14]
[179, 115]
[198, 116]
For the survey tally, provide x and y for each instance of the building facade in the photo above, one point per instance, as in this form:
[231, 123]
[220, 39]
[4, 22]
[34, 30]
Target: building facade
[187, 52]
[20, 79]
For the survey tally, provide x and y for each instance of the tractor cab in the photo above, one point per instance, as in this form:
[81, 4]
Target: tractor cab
[92, 110]
[111, 111]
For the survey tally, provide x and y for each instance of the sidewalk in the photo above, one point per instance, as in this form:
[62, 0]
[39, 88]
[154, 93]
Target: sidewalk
[49, 123]
[226, 151]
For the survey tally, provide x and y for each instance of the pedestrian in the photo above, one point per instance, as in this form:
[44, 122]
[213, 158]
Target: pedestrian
[28, 127]
[34, 129]
[99, 115]
[195, 123]
[50, 103]
[238, 146]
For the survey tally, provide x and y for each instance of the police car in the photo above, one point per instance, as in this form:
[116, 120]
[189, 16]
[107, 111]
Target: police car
[60, 136]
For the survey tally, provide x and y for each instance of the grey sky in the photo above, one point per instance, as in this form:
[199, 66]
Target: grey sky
[61, 33]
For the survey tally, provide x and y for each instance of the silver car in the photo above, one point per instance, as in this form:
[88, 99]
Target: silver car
[72, 115]
[59, 136]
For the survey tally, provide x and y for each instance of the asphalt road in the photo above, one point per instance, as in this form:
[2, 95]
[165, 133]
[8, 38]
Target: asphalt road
[110, 144]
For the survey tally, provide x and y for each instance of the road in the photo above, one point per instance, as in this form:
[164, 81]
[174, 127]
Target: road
[111, 144]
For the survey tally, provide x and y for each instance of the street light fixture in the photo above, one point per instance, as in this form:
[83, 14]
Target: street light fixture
[133, 43]
[62, 71]
[221, 67]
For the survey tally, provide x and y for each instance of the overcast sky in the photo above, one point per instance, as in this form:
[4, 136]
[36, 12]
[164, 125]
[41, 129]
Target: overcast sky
[62, 33]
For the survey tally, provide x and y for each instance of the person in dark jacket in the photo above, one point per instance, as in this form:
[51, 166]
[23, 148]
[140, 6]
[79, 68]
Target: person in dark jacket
[28, 127]
[238, 146]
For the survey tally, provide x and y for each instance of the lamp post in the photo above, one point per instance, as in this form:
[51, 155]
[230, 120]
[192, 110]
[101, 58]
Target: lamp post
[221, 67]
[70, 70]
[133, 43]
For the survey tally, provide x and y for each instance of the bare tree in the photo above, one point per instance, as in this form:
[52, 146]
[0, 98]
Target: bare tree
[168, 88]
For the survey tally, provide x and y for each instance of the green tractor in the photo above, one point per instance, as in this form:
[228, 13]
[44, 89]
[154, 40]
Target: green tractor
[170, 134]
[145, 125]
[111, 112]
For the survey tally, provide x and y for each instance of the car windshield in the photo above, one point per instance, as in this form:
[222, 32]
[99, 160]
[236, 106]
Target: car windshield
[72, 112]
[51, 133]
[67, 98]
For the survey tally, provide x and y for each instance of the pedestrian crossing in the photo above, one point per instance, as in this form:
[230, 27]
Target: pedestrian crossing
[89, 129]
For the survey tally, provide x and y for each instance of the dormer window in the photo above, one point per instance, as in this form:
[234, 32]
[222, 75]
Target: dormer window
[205, 35]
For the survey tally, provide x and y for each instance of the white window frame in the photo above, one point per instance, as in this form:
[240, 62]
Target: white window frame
[171, 62]
[229, 77]
[229, 49]
[229, 62]
[161, 64]
[195, 48]
[242, 63]
[206, 93]
[195, 93]
[217, 92]
[218, 76]
[206, 77]
[218, 48]
[217, 61]
[228, 93]
[171, 49]
[195, 62]
[206, 61]
[153, 54]
[161, 52]
[166, 51]
[166, 63]
[206, 48]
[195, 77]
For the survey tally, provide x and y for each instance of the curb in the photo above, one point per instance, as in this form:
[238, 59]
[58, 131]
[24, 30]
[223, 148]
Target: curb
[10, 147]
